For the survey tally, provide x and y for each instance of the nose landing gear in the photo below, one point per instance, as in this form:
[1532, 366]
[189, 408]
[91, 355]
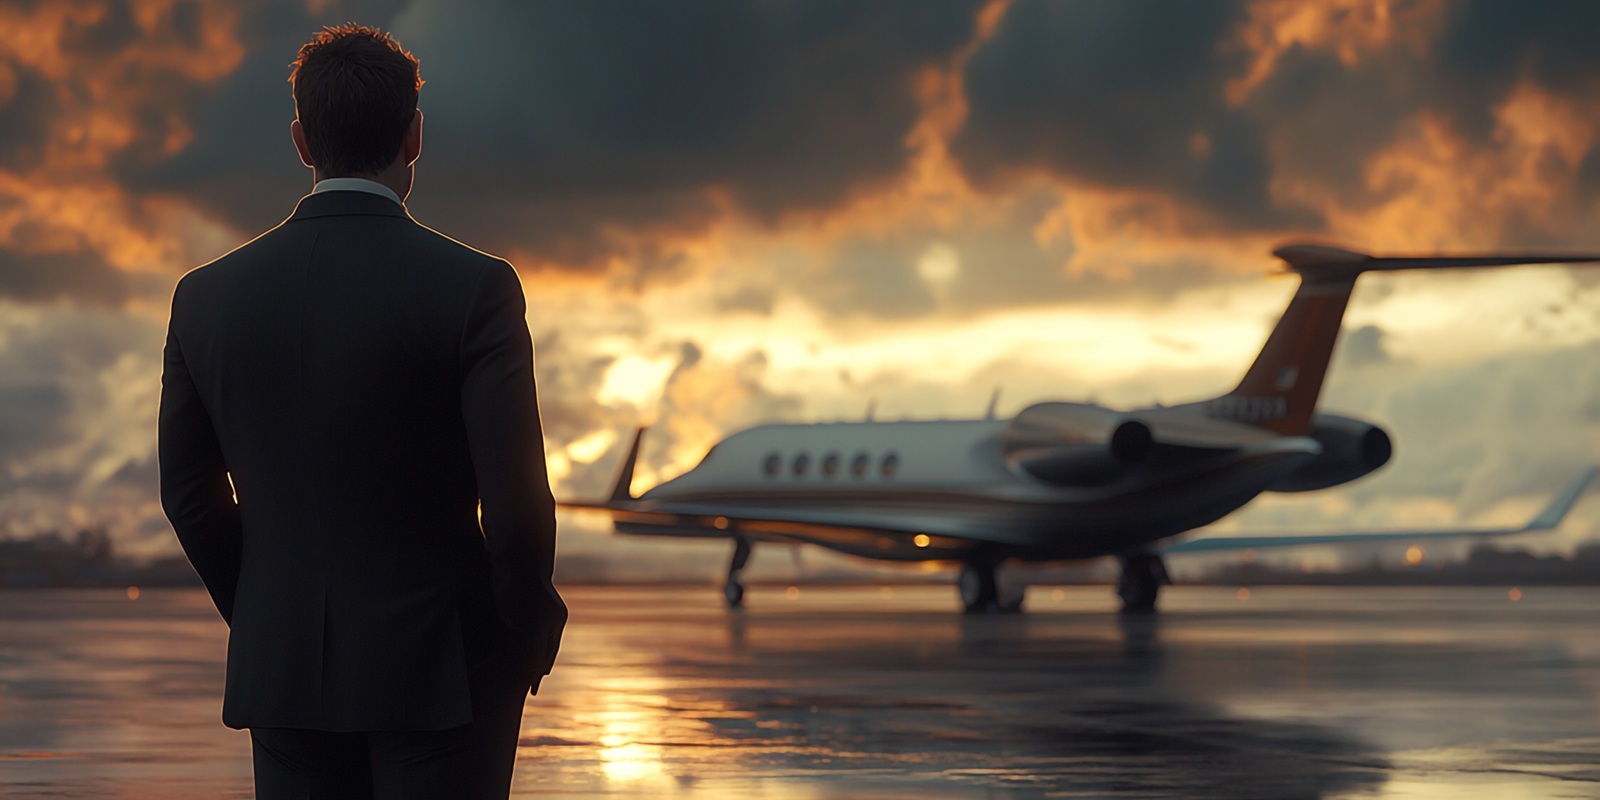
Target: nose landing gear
[733, 589]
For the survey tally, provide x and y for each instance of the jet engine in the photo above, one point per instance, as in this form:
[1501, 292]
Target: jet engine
[1351, 448]
[1074, 444]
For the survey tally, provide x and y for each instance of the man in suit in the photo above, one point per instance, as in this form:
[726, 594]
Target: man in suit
[351, 456]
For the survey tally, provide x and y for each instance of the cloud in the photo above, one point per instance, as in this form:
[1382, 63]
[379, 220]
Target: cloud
[566, 132]
[1362, 347]
[85, 86]
[1127, 95]
[49, 276]
[785, 210]
[78, 390]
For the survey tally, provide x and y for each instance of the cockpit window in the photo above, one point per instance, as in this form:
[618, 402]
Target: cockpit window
[802, 464]
[860, 464]
[830, 465]
[771, 466]
[891, 465]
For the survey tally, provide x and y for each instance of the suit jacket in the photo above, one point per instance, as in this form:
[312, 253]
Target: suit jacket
[351, 456]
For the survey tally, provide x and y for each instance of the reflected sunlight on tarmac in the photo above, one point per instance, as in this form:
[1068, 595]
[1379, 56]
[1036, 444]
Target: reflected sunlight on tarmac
[862, 692]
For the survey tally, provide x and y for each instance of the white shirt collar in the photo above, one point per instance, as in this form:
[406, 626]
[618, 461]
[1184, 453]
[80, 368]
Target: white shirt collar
[355, 185]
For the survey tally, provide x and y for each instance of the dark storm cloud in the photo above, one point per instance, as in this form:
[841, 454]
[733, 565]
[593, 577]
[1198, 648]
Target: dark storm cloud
[114, 62]
[1488, 46]
[241, 165]
[1327, 117]
[1133, 95]
[1126, 95]
[53, 276]
[549, 125]
[28, 114]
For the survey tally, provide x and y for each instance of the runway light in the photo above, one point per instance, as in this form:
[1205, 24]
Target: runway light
[1058, 595]
[793, 593]
[921, 540]
[720, 523]
[133, 593]
[1413, 556]
[1515, 594]
[1243, 594]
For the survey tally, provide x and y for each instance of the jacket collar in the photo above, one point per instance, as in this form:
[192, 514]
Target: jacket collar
[346, 203]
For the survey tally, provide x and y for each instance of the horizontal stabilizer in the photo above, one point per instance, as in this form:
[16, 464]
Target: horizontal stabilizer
[1548, 519]
[1318, 263]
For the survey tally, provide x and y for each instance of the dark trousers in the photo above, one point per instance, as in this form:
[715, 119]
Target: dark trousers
[471, 762]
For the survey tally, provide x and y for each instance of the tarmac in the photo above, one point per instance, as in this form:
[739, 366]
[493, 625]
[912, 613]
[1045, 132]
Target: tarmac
[888, 692]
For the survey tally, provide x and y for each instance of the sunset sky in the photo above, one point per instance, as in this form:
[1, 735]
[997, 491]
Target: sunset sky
[727, 213]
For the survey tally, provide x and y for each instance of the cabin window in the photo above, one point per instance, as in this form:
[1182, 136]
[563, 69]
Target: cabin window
[802, 463]
[771, 466]
[891, 465]
[860, 464]
[830, 465]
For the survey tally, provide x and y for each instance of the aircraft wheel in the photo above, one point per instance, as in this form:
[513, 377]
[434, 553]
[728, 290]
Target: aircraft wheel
[1011, 601]
[733, 592]
[980, 591]
[1140, 582]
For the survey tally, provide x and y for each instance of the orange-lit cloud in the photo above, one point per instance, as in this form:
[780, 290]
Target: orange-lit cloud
[1351, 29]
[1433, 190]
[103, 81]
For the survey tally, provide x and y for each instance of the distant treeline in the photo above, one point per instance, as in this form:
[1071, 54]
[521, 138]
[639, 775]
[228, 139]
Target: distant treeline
[1486, 565]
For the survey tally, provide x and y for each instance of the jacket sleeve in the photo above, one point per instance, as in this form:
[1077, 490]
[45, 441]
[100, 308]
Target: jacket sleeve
[500, 408]
[195, 492]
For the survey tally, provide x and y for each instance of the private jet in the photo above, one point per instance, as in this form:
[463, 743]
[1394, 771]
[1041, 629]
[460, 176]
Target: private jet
[1058, 481]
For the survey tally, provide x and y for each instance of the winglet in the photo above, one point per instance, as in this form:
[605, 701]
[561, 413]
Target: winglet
[1552, 515]
[623, 490]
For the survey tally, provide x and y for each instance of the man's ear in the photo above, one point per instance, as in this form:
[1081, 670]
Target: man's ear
[412, 147]
[298, 134]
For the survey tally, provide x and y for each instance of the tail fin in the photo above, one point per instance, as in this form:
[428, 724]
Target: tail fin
[1280, 390]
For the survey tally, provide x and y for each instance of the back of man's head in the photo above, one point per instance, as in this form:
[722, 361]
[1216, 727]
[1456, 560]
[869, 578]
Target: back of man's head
[355, 91]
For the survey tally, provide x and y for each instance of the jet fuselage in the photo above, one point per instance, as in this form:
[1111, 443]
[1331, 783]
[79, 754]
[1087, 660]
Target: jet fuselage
[951, 481]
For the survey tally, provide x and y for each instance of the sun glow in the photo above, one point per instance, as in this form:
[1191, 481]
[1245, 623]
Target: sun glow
[635, 380]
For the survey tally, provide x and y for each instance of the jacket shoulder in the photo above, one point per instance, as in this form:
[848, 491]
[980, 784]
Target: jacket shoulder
[212, 271]
[459, 252]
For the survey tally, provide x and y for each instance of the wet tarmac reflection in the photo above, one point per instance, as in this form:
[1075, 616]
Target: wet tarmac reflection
[857, 692]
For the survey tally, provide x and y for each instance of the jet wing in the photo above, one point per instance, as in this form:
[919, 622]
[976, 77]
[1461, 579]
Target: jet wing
[900, 536]
[1548, 519]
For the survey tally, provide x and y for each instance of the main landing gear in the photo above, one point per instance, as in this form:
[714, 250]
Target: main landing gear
[733, 590]
[1143, 575]
[982, 591]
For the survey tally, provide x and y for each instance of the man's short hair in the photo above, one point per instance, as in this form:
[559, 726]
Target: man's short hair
[355, 92]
